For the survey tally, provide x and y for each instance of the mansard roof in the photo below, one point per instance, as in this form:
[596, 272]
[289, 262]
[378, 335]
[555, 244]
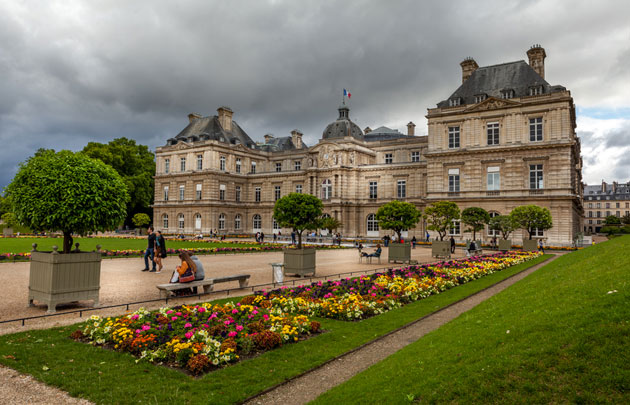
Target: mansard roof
[209, 128]
[493, 80]
[383, 134]
[281, 144]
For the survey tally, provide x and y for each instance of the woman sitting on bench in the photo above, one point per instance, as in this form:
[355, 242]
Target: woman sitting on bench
[376, 253]
[472, 249]
[184, 272]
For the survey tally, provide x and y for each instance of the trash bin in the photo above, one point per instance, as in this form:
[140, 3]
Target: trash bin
[277, 272]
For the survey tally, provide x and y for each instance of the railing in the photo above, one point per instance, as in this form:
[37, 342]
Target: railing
[493, 193]
[536, 192]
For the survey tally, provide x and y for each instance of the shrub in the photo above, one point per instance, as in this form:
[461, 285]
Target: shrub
[198, 364]
[267, 340]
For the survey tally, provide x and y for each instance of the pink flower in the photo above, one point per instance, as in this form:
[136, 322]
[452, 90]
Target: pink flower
[189, 335]
[254, 312]
[146, 327]
[201, 309]
[205, 325]
[235, 311]
[174, 318]
[138, 331]
[178, 314]
[226, 322]
[170, 311]
[239, 328]
[135, 316]
[232, 334]
[188, 325]
[265, 317]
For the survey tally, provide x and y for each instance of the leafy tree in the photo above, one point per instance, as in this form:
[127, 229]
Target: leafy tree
[612, 220]
[504, 224]
[330, 224]
[4, 205]
[476, 218]
[532, 217]
[440, 216]
[398, 216]
[298, 212]
[136, 164]
[625, 219]
[67, 192]
[9, 219]
[141, 220]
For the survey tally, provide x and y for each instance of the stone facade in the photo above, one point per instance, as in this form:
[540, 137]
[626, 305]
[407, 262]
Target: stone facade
[516, 144]
[601, 201]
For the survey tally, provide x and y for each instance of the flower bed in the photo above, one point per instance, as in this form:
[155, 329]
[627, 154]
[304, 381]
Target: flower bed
[197, 338]
[366, 296]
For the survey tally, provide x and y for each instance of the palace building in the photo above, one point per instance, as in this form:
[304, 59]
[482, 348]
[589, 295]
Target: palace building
[601, 201]
[504, 138]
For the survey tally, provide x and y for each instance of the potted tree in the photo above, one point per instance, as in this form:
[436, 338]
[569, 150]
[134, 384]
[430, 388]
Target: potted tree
[531, 218]
[505, 225]
[331, 224]
[74, 194]
[9, 222]
[398, 216]
[299, 212]
[140, 221]
[476, 218]
[440, 216]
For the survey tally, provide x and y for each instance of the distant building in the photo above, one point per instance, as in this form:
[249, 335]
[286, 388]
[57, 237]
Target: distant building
[601, 201]
[504, 138]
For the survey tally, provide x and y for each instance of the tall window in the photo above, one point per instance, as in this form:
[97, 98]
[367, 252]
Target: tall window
[298, 188]
[401, 188]
[198, 192]
[453, 180]
[492, 232]
[535, 90]
[253, 168]
[221, 192]
[238, 165]
[455, 228]
[453, 137]
[536, 176]
[535, 129]
[238, 193]
[167, 165]
[326, 189]
[372, 223]
[297, 165]
[165, 221]
[237, 222]
[275, 225]
[415, 156]
[494, 179]
[180, 221]
[278, 166]
[221, 222]
[182, 164]
[197, 221]
[222, 163]
[454, 102]
[165, 193]
[389, 158]
[276, 192]
[199, 162]
[181, 193]
[373, 190]
[538, 233]
[257, 222]
[257, 194]
[493, 133]
[507, 93]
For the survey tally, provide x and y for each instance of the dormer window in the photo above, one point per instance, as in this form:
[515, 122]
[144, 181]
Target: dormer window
[535, 90]
[454, 102]
[507, 93]
[480, 97]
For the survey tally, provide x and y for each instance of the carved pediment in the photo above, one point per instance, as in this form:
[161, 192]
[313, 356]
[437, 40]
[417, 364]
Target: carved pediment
[181, 145]
[493, 103]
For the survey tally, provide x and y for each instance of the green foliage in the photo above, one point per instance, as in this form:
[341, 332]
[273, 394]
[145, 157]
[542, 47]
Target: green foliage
[67, 192]
[476, 218]
[612, 220]
[531, 217]
[625, 219]
[135, 164]
[298, 212]
[9, 219]
[397, 216]
[440, 216]
[330, 223]
[504, 224]
[5, 205]
[141, 220]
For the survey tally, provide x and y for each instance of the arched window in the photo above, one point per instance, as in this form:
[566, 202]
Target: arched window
[490, 231]
[221, 222]
[237, 222]
[165, 221]
[276, 227]
[326, 189]
[180, 221]
[257, 222]
[197, 221]
[372, 223]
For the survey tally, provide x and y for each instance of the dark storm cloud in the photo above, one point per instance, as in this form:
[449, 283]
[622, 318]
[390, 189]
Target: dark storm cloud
[618, 137]
[74, 72]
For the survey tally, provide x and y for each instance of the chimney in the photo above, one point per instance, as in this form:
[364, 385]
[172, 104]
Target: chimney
[468, 67]
[193, 116]
[614, 188]
[268, 138]
[296, 138]
[225, 118]
[603, 186]
[411, 129]
[367, 130]
[537, 55]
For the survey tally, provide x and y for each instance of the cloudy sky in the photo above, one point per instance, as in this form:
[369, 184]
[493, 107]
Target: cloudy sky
[78, 71]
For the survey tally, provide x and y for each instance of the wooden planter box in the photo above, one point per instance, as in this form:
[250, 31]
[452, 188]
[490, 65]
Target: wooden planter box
[441, 248]
[300, 262]
[399, 252]
[7, 232]
[60, 278]
[530, 245]
[505, 244]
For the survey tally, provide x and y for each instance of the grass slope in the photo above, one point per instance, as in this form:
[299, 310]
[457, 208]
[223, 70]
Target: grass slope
[557, 336]
[97, 374]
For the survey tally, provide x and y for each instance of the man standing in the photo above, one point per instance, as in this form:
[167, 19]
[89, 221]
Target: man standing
[452, 244]
[293, 238]
[150, 252]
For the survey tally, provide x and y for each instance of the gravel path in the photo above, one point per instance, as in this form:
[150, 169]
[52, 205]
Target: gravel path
[310, 385]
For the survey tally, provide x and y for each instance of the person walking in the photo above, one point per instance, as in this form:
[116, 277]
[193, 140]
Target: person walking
[541, 247]
[293, 238]
[413, 242]
[452, 244]
[160, 251]
[262, 237]
[150, 252]
[428, 236]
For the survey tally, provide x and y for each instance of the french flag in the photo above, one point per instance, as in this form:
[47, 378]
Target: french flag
[346, 93]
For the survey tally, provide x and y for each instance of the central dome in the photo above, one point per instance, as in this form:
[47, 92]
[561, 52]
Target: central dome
[343, 127]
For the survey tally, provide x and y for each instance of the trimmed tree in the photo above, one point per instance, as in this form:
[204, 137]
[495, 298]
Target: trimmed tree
[625, 219]
[476, 218]
[298, 212]
[398, 216]
[440, 216]
[330, 224]
[532, 217]
[67, 192]
[504, 224]
[612, 220]
[141, 220]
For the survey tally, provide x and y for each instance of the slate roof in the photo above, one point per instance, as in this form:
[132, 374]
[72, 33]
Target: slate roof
[491, 80]
[383, 134]
[343, 127]
[622, 193]
[208, 128]
[280, 144]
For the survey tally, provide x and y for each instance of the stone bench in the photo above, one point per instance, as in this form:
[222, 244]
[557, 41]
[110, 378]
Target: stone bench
[167, 290]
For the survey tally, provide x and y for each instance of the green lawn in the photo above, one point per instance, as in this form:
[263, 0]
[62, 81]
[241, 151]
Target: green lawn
[562, 335]
[93, 373]
[23, 245]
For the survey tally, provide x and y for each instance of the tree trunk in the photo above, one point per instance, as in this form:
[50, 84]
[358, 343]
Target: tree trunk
[300, 239]
[67, 242]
